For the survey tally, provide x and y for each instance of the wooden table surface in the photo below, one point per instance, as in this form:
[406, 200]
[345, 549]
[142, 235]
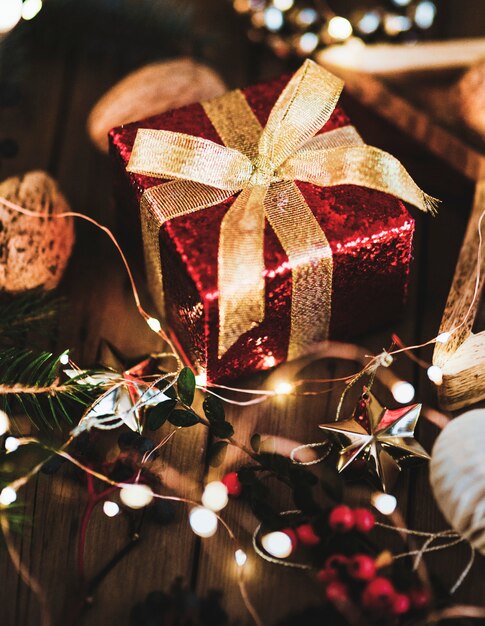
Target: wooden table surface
[60, 79]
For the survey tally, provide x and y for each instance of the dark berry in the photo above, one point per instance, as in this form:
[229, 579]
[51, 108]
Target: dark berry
[307, 535]
[234, 487]
[362, 567]
[379, 594]
[341, 519]
[420, 598]
[336, 563]
[336, 592]
[401, 604]
[364, 520]
[292, 535]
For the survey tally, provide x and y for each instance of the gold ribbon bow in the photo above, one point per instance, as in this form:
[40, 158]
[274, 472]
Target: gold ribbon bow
[262, 164]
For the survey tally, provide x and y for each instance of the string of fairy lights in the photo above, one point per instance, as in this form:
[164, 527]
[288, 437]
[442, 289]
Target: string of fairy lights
[302, 27]
[204, 516]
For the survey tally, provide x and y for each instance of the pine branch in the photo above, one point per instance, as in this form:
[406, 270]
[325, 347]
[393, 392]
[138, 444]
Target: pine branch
[31, 312]
[30, 383]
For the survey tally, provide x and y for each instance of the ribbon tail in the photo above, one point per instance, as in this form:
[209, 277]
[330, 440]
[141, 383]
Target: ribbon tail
[310, 258]
[241, 267]
[365, 166]
[160, 204]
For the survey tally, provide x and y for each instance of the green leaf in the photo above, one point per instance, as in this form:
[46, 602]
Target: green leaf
[186, 386]
[223, 430]
[217, 453]
[158, 415]
[213, 409]
[255, 442]
[168, 391]
[183, 418]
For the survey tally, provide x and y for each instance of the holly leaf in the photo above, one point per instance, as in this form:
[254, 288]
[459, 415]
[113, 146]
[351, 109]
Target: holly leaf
[183, 418]
[186, 386]
[168, 391]
[255, 442]
[223, 430]
[217, 453]
[158, 415]
[213, 409]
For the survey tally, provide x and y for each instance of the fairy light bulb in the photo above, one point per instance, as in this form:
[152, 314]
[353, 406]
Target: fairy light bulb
[136, 496]
[435, 374]
[201, 379]
[8, 495]
[384, 503]
[283, 388]
[11, 444]
[283, 5]
[4, 422]
[154, 324]
[215, 496]
[307, 43]
[339, 28]
[306, 17]
[110, 508]
[273, 18]
[277, 544]
[10, 14]
[443, 337]
[369, 23]
[395, 24]
[203, 521]
[64, 358]
[31, 8]
[241, 557]
[424, 14]
[269, 361]
[402, 391]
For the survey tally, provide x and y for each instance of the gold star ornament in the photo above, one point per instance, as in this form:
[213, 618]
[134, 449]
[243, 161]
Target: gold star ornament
[379, 438]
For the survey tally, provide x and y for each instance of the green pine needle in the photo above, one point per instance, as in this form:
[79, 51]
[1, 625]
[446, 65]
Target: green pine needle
[30, 383]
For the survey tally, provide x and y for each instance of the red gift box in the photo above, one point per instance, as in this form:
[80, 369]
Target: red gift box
[370, 234]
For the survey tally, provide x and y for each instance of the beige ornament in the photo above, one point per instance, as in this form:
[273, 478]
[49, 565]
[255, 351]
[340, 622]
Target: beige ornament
[151, 90]
[471, 98]
[33, 252]
[457, 475]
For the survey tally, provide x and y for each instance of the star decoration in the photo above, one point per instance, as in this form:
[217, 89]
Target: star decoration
[382, 438]
[126, 391]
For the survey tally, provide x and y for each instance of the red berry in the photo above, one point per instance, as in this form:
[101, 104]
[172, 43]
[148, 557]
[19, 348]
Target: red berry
[326, 575]
[336, 562]
[336, 592]
[364, 520]
[379, 594]
[362, 567]
[307, 535]
[341, 519]
[420, 598]
[401, 604]
[234, 487]
[292, 535]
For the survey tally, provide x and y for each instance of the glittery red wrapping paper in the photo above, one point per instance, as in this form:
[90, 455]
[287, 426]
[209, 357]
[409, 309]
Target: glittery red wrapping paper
[370, 234]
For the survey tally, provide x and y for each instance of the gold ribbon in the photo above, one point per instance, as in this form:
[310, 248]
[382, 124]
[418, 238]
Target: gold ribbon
[262, 164]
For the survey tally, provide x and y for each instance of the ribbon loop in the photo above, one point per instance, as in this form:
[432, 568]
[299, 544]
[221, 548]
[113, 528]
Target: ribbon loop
[166, 154]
